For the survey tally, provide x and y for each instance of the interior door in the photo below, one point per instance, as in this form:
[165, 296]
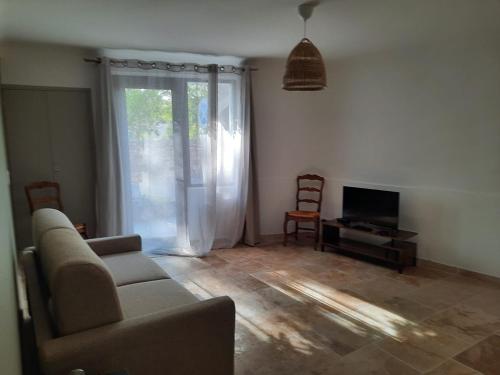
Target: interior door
[28, 148]
[49, 137]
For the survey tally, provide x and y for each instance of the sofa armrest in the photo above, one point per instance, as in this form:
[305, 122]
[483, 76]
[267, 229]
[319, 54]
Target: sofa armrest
[190, 339]
[117, 244]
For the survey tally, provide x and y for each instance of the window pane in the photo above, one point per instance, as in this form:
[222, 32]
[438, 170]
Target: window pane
[229, 135]
[198, 124]
[151, 150]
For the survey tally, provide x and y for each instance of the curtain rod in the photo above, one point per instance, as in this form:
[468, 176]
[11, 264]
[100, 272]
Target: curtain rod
[98, 60]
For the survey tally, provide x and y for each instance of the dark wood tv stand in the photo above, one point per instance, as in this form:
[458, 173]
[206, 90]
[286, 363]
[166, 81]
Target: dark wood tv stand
[398, 252]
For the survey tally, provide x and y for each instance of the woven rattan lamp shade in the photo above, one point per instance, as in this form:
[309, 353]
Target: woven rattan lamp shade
[305, 69]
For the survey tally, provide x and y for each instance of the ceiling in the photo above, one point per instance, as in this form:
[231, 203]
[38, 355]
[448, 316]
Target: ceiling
[247, 28]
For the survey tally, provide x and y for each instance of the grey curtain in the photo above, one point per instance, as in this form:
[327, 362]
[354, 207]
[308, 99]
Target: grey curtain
[251, 235]
[111, 150]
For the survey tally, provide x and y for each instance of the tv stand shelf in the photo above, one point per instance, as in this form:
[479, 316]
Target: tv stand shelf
[397, 252]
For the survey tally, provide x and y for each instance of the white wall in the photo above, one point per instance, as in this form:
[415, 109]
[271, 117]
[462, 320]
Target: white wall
[35, 64]
[10, 362]
[424, 121]
[288, 130]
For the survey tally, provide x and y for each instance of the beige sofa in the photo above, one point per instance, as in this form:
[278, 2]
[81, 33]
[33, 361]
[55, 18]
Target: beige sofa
[102, 306]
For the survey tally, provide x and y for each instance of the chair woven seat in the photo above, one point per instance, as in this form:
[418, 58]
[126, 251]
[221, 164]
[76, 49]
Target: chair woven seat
[304, 214]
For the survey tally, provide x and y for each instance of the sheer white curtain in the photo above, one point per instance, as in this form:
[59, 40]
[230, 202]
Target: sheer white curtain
[173, 154]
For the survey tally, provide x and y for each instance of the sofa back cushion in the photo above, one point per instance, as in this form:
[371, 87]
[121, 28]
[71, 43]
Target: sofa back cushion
[47, 219]
[83, 292]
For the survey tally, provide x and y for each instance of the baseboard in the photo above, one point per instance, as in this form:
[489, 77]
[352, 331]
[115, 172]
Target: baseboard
[271, 239]
[458, 270]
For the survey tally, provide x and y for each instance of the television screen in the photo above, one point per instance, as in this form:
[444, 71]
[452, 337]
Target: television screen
[376, 207]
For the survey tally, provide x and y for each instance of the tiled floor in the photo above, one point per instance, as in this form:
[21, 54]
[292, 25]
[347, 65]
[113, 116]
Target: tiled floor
[301, 311]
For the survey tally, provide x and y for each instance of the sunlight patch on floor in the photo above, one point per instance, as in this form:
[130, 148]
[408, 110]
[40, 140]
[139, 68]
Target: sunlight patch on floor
[349, 306]
[286, 336]
[254, 329]
[282, 339]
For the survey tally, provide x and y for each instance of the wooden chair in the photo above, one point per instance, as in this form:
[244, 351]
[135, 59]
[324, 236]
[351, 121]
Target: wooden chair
[39, 196]
[298, 216]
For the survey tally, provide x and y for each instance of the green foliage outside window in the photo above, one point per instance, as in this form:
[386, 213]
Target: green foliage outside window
[149, 110]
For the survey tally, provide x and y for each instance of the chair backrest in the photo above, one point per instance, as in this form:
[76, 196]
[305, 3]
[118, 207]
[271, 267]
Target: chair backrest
[312, 185]
[43, 194]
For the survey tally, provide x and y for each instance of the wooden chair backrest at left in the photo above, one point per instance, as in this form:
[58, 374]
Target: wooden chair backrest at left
[36, 198]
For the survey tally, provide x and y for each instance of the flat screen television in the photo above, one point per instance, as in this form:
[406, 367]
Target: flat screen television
[377, 207]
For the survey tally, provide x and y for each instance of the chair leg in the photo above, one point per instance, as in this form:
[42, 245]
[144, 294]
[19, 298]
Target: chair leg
[285, 229]
[296, 231]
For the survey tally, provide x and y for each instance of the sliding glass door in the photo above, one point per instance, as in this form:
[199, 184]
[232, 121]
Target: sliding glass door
[152, 165]
[169, 152]
[183, 158]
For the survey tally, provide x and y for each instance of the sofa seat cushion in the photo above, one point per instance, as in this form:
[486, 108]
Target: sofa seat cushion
[152, 296]
[133, 267]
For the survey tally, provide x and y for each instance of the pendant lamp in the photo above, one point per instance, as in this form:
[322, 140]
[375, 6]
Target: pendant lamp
[305, 69]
